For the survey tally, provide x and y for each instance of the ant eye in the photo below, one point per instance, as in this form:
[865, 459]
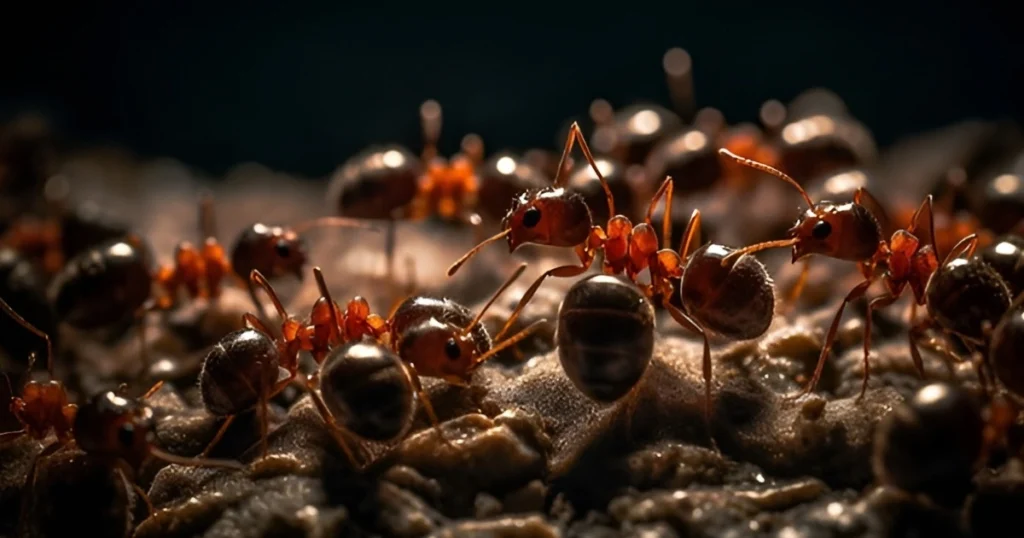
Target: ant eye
[452, 350]
[283, 248]
[821, 230]
[531, 217]
[126, 435]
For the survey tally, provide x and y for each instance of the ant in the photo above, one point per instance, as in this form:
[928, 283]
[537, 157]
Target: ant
[1004, 353]
[275, 251]
[249, 366]
[555, 216]
[390, 182]
[111, 427]
[853, 231]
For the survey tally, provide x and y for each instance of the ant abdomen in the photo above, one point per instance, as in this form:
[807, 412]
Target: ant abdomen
[689, 157]
[736, 301]
[1005, 256]
[238, 371]
[1006, 350]
[103, 285]
[605, 336]
[966, 295]
[930, 444]
[367, 390]
[375, 183]
[274, 251]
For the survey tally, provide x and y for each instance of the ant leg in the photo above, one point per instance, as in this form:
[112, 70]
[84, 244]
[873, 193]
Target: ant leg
[255, 323]
[665, 190]
[428, 408]
[708, 368]
[145, 499]
[332, 426]
[143, 351]
[216, 438]
[692, 233]
[7, 437]
[564, 271]
[152, 390]
[876, 303]
[798, 287]
[858, 291]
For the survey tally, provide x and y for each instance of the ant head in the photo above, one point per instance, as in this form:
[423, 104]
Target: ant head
[115, 426]
[843, 231]
[439, 349]
[551, 216]
[272, 250]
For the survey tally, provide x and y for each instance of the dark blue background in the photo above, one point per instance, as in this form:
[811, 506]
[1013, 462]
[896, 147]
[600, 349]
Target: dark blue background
[301, 88]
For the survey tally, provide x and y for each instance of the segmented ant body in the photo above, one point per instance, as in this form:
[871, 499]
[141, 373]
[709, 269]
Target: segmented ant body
[109, 427]
[557, 217]
[390, 182]
[856, 231]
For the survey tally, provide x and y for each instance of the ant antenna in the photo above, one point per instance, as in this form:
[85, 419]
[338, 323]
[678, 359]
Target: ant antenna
[480, 315]
[472, 252]
[678, 66]
[768, 170]
[664, 191]
[207, 216]
[24, 323]
[576, 135]
[965, 247]
[337, 222]
[194, 462]
[509, 342]
[326, 294]
[430, 119]
[256, 278]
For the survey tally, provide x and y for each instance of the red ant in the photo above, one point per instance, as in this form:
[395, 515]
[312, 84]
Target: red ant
[111, 427]
[854, 231]
[242, 371]
[557, 217]
[390, 182]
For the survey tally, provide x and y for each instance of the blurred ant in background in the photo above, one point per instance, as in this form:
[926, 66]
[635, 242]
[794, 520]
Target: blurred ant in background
[110, 427]
[390, 182]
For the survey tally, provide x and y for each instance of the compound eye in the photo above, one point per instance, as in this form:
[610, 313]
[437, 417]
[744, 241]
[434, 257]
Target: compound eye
[821, 230]
[283, 249]
[531, 217]
[452, 349]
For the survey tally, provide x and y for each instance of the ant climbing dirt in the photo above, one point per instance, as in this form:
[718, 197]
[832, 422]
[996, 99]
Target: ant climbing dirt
[856, 231]
[555, 216]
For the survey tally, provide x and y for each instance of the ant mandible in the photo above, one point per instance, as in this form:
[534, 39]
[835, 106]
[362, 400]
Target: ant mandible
[855, 231]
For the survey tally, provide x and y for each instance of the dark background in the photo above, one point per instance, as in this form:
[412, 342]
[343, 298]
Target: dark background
[302, 88]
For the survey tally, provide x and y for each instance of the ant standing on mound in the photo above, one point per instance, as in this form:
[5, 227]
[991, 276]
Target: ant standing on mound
[115, 429]
[555, 216]
[855, 231]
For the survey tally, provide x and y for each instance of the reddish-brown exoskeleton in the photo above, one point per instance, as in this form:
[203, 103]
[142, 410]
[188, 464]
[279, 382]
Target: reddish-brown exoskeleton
[273, 250]
[555, 216]
[856, 231]
[110, 427]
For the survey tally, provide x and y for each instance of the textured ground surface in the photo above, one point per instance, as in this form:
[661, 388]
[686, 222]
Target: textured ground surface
[529, 455]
